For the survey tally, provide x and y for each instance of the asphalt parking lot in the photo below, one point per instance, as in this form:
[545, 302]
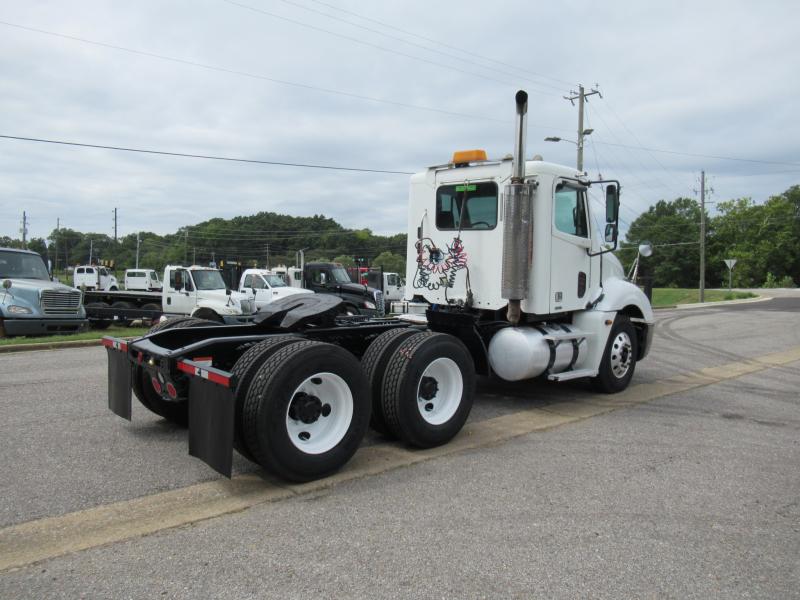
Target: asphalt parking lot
[688, 486]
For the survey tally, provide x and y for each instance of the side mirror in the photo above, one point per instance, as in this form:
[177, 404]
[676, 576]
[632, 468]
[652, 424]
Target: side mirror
[323, 279]
[611, 232]
[227, 291]
[612, 204]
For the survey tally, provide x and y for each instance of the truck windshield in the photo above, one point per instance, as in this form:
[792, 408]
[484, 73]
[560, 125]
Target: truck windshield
[208, 280]
[340, 275]
[275, 280]
[20, 265]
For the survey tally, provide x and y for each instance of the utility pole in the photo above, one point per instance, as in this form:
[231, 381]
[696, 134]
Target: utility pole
[55, 244]
[91, 248]
[185, 246]
[268, 256]
[24, 230]
[115, 225]
[194, 255]
[581, 97]
[138, 243]
[703, 234]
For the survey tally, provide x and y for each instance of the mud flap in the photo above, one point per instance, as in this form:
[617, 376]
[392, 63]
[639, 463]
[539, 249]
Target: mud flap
[211, 414]
[120, 372]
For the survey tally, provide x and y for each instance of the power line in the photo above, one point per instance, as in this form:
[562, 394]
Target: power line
[370, 45]
[439, 42]
[470, 61]
[251, 75]
[204, 156]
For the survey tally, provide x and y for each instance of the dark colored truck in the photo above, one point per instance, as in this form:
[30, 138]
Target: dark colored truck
[332, 278]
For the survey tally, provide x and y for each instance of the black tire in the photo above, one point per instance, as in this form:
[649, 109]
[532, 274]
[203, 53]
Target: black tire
[348, 310]
[266, 420]
[155, 307]
[209, 315]
[245, 369]
[374, 364]
[402, 404]
[621, 349]
[99, 323]
[122, 305]
[178, 411]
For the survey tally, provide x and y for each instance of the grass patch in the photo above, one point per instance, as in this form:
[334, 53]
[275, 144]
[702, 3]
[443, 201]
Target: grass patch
[672, 296]
[92, 334]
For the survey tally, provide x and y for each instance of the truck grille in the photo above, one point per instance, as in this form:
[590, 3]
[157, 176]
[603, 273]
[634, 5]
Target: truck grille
[55, 302]
[379, 302]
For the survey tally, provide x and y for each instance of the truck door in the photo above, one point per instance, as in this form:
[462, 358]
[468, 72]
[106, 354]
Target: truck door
[570, 261]
[179, 295]
[317, 279]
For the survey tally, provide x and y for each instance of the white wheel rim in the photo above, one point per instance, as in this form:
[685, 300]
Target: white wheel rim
[438, 403]
[326, 430]
[621, 355]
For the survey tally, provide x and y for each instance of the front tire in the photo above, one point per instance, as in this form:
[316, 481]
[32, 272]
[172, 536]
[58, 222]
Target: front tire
[619, 359]
[428, 389]
[306, 411]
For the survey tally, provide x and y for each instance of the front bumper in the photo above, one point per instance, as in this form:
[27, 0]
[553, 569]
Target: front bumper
[43, 326]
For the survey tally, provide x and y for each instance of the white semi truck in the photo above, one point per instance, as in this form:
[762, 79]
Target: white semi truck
[515, 284]
[93, 277]
[187, 291]
[266, 286]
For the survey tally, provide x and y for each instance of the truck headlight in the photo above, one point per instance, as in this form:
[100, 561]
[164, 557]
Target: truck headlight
[370, 305]
[19, 310]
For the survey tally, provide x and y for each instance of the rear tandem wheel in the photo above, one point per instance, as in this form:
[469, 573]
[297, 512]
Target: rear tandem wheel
[306, 410]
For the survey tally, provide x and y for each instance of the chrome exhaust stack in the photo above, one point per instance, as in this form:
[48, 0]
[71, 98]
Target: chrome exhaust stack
[517, 222]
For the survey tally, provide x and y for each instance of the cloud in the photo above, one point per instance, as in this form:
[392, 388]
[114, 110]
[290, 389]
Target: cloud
[715, 79]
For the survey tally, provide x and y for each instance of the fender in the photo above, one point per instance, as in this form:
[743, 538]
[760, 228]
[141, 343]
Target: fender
[619, 294]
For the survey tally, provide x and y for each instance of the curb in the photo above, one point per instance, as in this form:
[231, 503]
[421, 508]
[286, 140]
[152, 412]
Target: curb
[49, 346]
[723, 302]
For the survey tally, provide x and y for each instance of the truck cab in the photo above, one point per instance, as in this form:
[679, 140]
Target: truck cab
[31, 303]
[92, 277]
[391, 284]
[145, 280]
[201, 292]
[265, 286]
[332, 278]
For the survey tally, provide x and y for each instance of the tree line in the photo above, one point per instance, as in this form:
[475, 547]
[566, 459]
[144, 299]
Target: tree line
[763, 238]
[262, 240]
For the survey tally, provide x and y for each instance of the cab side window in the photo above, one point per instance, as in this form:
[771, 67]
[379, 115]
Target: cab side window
[248, 281]
[569, 210]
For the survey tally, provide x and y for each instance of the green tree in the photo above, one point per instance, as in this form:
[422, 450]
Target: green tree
[673, 227]
[347, 261]
[393, 263]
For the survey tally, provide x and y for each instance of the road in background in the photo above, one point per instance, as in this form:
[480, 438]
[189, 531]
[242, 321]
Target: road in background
[693, 494]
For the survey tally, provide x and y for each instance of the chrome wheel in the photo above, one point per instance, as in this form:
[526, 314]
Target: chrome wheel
[621, 355]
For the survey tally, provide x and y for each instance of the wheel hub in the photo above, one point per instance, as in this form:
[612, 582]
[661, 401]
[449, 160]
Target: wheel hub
[308, 408]
[428, 388]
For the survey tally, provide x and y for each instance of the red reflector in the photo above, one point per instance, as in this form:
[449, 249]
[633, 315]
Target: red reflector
[156, 385]
[182, 366]
[173, 393]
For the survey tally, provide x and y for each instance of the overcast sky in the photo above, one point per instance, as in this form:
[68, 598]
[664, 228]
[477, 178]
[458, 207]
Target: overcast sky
[391, 86]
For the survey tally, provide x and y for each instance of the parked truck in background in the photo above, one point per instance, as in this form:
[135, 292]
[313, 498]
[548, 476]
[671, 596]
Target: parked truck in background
[332, 278]
[390, 284]
[143, 280]
[31, 303]
[93, 277]
[188, 291]
[265, 286]
[516, 284]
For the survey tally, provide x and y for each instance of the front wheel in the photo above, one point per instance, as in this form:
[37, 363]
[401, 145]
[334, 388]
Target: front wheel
[428, 389]
[619, 358]
[306, 411]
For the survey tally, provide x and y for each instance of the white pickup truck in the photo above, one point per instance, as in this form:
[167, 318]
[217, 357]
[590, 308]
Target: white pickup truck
[266, 286]
[91, 277]
[144, 280]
